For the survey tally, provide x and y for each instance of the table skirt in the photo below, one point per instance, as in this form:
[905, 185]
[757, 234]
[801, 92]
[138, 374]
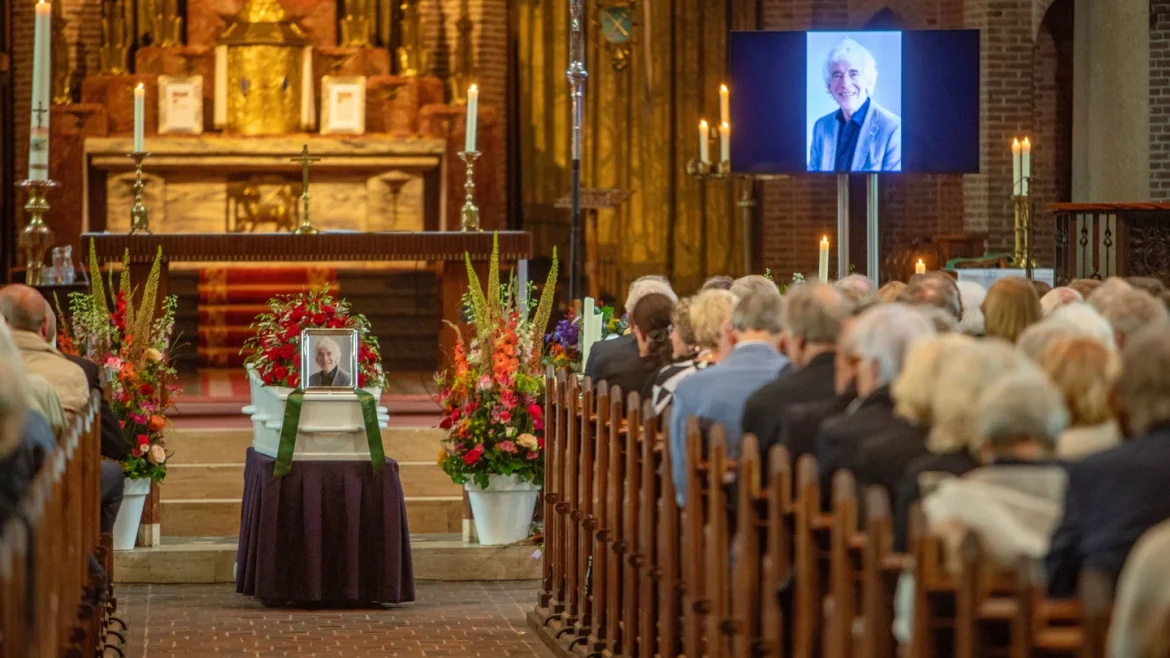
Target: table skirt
[329, 532]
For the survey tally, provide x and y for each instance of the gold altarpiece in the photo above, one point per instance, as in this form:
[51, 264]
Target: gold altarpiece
[640, 127]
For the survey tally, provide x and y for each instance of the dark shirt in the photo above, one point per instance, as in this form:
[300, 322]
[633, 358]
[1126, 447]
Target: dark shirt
[958, 462]
[847, 133]
[603, 354]
[18, 468]
[634, 375]
[327, 377]
[766, 410]
[840, 437]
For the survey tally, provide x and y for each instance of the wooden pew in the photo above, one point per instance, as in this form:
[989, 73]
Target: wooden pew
[776, 567]
[670, 582]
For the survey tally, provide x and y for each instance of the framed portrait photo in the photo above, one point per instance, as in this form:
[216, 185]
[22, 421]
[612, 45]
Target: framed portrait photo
[329, 360]
[343, 105]
[180, 105]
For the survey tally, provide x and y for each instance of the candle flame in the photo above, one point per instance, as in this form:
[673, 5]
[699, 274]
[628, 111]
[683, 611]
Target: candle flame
[723, 89]
[703, 124]
[824, 239]
[474, 88]
[726, 126]
[1027, 144]
[140, 86]
[1016, 142]
[920, 262]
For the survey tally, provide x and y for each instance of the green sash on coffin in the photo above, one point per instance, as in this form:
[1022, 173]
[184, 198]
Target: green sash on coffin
[292, 421]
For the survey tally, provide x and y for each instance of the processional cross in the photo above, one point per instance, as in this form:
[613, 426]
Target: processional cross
[305, 228]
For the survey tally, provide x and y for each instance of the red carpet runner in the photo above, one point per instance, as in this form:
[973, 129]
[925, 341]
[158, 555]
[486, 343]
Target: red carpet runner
[230, 298]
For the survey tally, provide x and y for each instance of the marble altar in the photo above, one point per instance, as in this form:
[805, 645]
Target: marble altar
[225, 184]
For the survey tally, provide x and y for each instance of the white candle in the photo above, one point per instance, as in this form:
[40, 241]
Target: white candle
[724, 105]
[823, 262]
[704, 137]
[38, 139]
[219, 113]
[920, 267]
[1026, 166]
[472, 117]
[725, 142]
[1015, 166]
[139, 118]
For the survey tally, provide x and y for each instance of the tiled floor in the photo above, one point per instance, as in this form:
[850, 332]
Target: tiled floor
[447, 619]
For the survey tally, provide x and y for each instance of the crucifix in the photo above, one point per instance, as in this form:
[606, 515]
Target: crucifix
[306, 228]
[40, 112]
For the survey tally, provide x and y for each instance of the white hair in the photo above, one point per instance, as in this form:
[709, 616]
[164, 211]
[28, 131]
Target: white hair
[1087, 320]
[884, 334]
[1021, 405]
[327, 343]
[647, 285]
[850, 51]
[1058, 297]
[971, 294]
[858, 289]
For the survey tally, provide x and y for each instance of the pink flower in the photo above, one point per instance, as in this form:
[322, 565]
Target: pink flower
[505, 416]
[485, 383]
[535, 411]
[509, 400]
[538, 424]
[533, 455]
[507, 446]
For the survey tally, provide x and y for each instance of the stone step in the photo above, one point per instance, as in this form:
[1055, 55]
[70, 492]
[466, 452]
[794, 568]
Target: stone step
[434, 557]
[224, 446]
[201, 481]
[220, 517]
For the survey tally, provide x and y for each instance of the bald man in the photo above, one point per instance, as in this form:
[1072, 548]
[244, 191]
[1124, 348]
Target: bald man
[24, 310]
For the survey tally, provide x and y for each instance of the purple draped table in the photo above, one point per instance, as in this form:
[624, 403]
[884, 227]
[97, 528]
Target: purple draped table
[329, 532]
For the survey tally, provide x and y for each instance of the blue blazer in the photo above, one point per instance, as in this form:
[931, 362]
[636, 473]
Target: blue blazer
[879, 144]
[718, 394]
[1113, 497]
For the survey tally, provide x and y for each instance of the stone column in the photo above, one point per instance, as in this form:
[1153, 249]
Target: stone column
[1111, 126]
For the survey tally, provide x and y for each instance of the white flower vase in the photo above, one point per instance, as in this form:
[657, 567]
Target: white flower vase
[503, 511]
[134, 496]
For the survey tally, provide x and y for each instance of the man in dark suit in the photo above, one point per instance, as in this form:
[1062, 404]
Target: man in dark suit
[877, 343]
[1115, 496]
[604, 354]
[114, 444]
[813, 316]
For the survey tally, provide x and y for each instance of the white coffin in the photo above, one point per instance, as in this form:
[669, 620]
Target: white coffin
[331, 426]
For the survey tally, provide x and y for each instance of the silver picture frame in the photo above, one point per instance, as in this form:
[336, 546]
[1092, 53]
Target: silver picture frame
[345, 365]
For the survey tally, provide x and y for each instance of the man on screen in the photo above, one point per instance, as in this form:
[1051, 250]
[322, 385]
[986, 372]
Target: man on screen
[861, 135]
[328, 355]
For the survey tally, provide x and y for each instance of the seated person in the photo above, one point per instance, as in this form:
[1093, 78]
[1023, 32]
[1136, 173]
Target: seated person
[24, 310]
[650, 324]
[1116, 495]
[25, 438]
[1141, 611]
[1086, 373]
[625, 347]
[684, 352]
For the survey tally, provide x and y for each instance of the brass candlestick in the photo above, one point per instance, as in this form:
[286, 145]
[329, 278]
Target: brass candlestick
[36, 236]
[469, 215]
[1022, 207]
[139, 215]
[306, 227]
[698, 169]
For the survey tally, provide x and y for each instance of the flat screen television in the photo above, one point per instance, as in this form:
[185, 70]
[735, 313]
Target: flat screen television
[855, 102]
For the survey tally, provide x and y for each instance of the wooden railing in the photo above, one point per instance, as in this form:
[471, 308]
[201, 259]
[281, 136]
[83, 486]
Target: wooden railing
[50, 603]
[752, 566]
[1099, 240]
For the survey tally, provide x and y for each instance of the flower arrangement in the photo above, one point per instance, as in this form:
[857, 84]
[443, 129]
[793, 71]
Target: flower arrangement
[563, 345]
[276, 347]
[134, 346]
[492, 398]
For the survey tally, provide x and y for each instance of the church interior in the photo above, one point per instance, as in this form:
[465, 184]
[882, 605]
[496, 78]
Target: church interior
[391, 155]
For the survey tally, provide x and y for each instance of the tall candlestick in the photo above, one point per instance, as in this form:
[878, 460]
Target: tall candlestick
[1026, 167]
[1016, 166]
[920, 267]
[823, 262]
[38, 139]
[472, 117]
[139, 118]
[724, 142]
[704, 137]
[724, 105]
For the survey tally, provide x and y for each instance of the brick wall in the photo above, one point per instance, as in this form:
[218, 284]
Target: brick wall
[1160, 100]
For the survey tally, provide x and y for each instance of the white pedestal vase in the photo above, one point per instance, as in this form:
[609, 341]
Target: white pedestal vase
[503, 511]
[134, 496]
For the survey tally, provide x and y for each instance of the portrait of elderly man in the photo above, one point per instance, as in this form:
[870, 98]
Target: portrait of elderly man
[860, 135]
[327, 355]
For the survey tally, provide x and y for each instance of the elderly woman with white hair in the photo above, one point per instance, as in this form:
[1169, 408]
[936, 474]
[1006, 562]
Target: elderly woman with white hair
[878, 343]
[1014, 499]
[972, 295]
[1058, 297]
[965, 373]
[1077, 319]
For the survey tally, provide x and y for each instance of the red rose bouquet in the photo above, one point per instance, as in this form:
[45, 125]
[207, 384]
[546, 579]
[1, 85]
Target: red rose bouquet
[275, 351]
[134, 345]
[492, 398]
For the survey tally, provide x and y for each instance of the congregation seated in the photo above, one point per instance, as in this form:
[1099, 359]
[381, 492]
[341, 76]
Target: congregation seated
[813, 316]
[935, 289]
[650, 326]
[1085, 371]
[889, 292]
[1141, 613]
[718, 394]
[697, 338]
[24, 310]
[25, 438]
[971, 295]
[1085, 287]
[624, 348]
[1115, 495]
[858, 289]
[1127, 309]
[1072, 320]
[717, 282]
[877, 344]
[1011, 306]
